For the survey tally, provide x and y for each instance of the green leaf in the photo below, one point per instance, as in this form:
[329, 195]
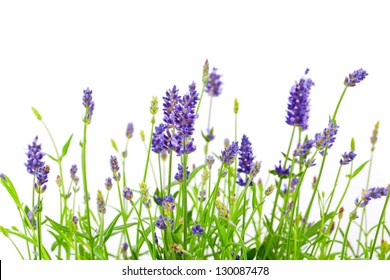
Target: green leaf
[4, 231]
[66, 146]
[251, 254]
[357, 170]
[110, 228]
[99, 252]
[114, 145]
[7, 183]
[53, 158]
[36, 113]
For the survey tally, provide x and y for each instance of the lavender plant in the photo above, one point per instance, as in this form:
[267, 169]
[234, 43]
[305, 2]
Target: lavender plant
[214, 210]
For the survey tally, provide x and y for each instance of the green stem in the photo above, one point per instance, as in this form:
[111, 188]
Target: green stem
[184, 192]
[170, 173]
[86, 193]
[338, 104]
[345, 239]
[39, 226]
[333, 190]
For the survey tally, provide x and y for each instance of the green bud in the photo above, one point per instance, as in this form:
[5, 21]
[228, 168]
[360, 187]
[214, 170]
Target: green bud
[36, 113]
[353, 144]
[154, 105]
[236, 106]
[142, 133]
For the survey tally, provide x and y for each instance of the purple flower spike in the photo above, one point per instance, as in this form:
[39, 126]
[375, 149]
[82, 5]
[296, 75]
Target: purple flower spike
[88, 104]
[128, 194]
[115, 168]
[162, 222]
[282, 172]
[356, 77]
[213, 86]
[34, 157]
[347, 158]
[229, 153]
[299, 107]
[327, 137]
[371, 193]
[129, 130]
[197, 230]
[245, 161]
[179, 174]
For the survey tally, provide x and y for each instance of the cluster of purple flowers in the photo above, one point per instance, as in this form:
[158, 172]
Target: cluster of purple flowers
[197, 230]
[42, 178]
[108, 183]
[168, 204]
[282, 172]
[214, 83]
[101, 204]
[179, 174]
[355, 77]
[129, 130]
[346, 158]
[371, 193]
[89, 105]
[179, 119]
[327, 137]
[34, 157]
[245, 161]
[115, 168]
[128, 194]
[162, 222]
[298, 107]
[228, 155]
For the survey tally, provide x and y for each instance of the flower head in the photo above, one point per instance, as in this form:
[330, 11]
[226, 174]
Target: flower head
[179, 174]
[129, 130]
[115, 168]
[371, 193]
[229, 153]
[162, 222]
[210, 161]
[245, 161]
[42, 178]
[124, 248]
[108, 183]
[356, 77]
[34, 157]
[197, 230]
[298, 107]
[168, 204]
[88, 104]
[101, 205]
[128, 194]
[327, 137]
[346, 158]
[214, 83]
[282, 172]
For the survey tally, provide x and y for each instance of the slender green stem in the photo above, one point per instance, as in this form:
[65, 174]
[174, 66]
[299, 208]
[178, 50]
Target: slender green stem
[160, 174]
[279, 183]
[86, 193]
[39, 225]
[333, 190]
[345, 240]
[201, 97]
[170, 173]
[152, 234]
[184, 192]
[338, 104]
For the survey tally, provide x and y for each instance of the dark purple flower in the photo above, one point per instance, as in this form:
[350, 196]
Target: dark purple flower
[128, 194]
[162, 222]
[371, 193]
[155, 238]
[158, 139]
[88, 104]
[347, 158]
[75, 220]
[34, 157]
[129, 130]
[124, 248]
[229, 153]
[327, 137]
[299, 107]
[213, 85]
[115, 168]
[354, 78]
[30, 216]
[197, 230]
[171, 98]
[245, 161]
[282, 172]
[179, 174]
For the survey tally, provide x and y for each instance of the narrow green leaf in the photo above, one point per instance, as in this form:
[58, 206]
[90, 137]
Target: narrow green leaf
[7, 183]
[110, 228]
[251, 254]
[358, 170]
[114, 145]
[36, 113]
[4, 231]
[66, 146]
[53, 158]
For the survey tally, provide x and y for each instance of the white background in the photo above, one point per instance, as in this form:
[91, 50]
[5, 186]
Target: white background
[129, 51]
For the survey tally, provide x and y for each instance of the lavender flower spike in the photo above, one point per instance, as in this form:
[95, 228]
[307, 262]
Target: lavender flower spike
[88, 104]
[371, 193]
[347, 158]
[129, 130]
[298, 107]
[229, 153]
[34, 157]
[42, 174]
[179, 174]
[245, 161]
[115, 168]
[356, 77]
[213, 86]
